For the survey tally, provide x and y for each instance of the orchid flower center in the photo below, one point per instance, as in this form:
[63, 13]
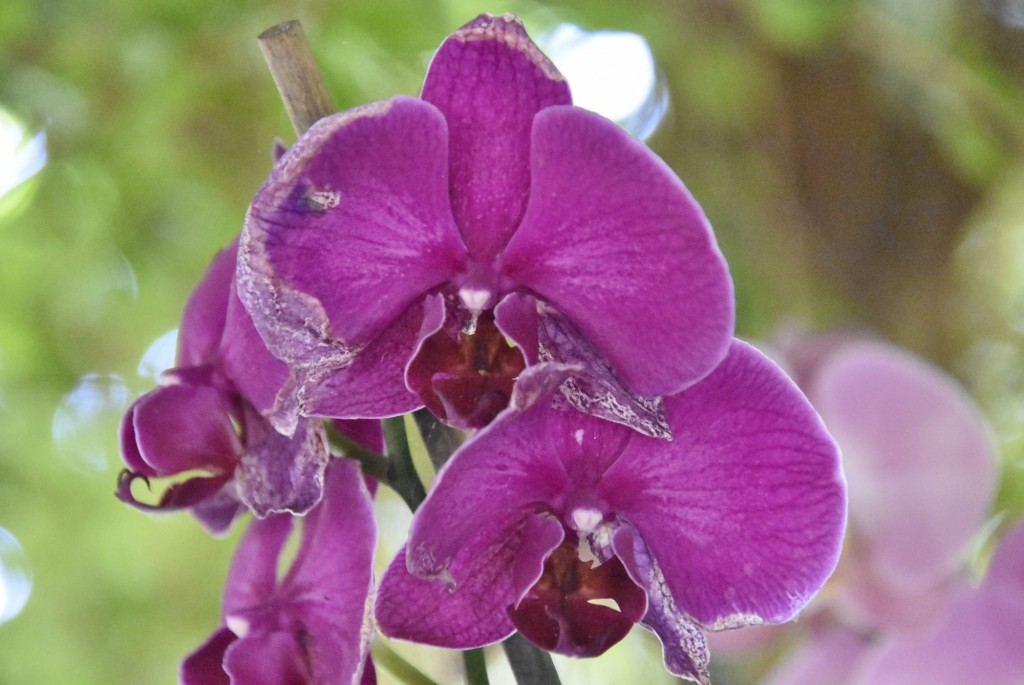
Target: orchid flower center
[466, 378]
[579, 608]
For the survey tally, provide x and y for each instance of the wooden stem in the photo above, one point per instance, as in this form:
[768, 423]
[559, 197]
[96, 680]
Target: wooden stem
[295, 72]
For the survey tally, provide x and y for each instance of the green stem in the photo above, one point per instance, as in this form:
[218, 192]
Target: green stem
[402, 476]
[373, 464]
[398, 667]
[476, 667]
[531, 666]
[439, 439]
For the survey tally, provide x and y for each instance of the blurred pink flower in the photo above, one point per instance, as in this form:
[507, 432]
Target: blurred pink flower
[921, 468]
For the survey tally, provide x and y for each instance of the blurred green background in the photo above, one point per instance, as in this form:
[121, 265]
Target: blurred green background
[862, 162]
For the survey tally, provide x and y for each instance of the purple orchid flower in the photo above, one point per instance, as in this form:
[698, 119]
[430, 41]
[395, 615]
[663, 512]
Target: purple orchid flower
[207, 418]
[398, 245]
[314, 626]
[571, 529]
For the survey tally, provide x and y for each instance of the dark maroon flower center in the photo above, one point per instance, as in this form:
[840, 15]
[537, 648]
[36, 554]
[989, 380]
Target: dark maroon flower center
[466, 379]
[576, 609]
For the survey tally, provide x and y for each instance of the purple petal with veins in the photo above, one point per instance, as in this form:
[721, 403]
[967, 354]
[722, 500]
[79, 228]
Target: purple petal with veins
[737, 520]
[490, 187]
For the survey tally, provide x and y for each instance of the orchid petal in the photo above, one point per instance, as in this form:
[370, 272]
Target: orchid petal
[272, 658]
[594, 389]
[538, 383]
[206, 497]
[516, 316]
[369, 385]
[489, 80]
[204, 666]
[211, 500]
[184, 427]
[330, 564]
[540, 535]
[331, 577]
[978, 640]
[613, 240]
[313, 626]
[202, 322]
[252, 578]
[218, 511]
[367, 432]
[683, 643]
[868, 601]
[473, 612]
[919, 459]
[130, 443]
[352, 227]
[744, 509]
[521, 463]
[255, 372]
[563, 610]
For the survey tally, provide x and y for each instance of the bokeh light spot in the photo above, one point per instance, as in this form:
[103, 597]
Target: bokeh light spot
[159, 356]
[611, 73]
[22, 155]
[15, 577]
[85, 423]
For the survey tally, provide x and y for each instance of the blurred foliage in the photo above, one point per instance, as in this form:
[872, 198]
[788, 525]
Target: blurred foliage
[862, 161]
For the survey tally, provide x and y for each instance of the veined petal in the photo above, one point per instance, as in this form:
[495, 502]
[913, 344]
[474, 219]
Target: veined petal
[919, 458]
[744, 509]
[336, 555]
[352, 226]
[331, 579]
[202, 322]
[522, 463]
[684, 644]
[367, 432]
[613, 240]
[245, 359]
[489, 80]
[371, 385]
[474, 612]
[314, 625]
[252, 578]
[182, 427]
